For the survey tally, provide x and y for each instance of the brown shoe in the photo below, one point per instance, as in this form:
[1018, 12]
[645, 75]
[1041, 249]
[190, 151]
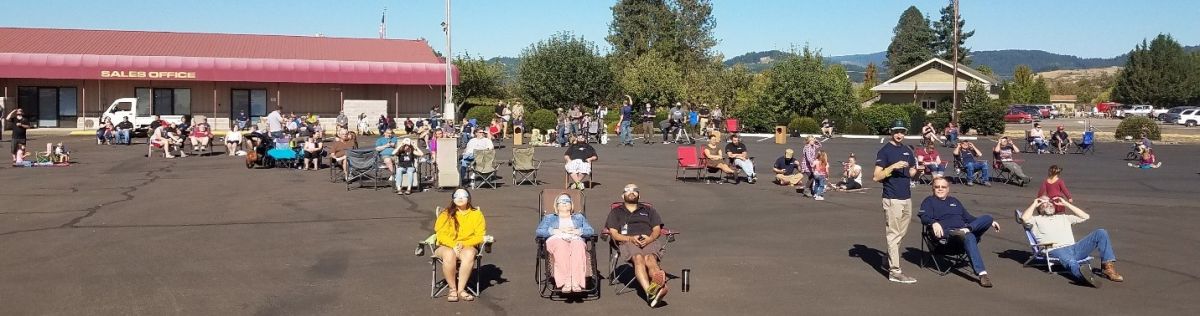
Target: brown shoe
[1110, 271]
[984, 281]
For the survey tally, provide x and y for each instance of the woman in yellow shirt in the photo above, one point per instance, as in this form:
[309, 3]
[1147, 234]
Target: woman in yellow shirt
[460, 229]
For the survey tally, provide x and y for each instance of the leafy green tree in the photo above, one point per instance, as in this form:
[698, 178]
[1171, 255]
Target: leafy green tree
[943, 31]
[1025, 88]
[870, 80]
[980, 112]
[1158, 73]
[652, 78]
[478, 78]
[984, 69]
[694, 26]
[803, 85]
[911, 42]
[641, 26]
[564, 70]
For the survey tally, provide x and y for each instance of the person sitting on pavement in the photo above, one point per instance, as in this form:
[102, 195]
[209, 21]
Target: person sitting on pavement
[479, 142]
[851, 175]
[947, 216]
[62, 155]
[106, 133]
[565, 234]
[459, 228]
[967, 153]
[1038, 137]
[1004, 152]
[233, 140]
[1148, 160]
[386, 146]
[201, 134]
[736, 150]
[636, 228]
[1054, 230]
[579, 157]
[406, 167]
[787, 169]
[1060, 140]
[930, 161]
[312, 153]
[715, 158]
[125, 131]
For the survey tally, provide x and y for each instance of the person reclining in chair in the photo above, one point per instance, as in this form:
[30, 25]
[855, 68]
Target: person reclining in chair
[948, 218]
[636, 228]
[736, 151]
[1054, 231]
[966, 153]
[565, 232]
[460, 228]
[1004, 152]
[1060, 140]
[579, 157]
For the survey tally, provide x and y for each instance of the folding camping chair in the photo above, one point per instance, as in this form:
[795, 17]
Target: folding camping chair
[614, 254]
[484, 169]
[543, 275]
[999, 171]
[948, 249]
[960, 171]
[1040, 252]
[687, 158]
[524, 166]
[365, 165]
[1087, 144]
[438, 285]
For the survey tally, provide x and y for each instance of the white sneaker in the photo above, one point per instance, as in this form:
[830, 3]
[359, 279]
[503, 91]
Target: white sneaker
[819, 198]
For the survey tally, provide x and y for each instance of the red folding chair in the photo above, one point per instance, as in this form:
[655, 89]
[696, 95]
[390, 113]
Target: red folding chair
[732, 126]
[687, 158]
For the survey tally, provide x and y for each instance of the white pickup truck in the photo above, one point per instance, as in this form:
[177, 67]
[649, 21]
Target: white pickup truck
[141, 117]
[1140, 110]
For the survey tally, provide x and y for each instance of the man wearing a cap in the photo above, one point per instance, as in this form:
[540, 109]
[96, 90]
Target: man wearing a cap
[1060, 140]
[894, 169]
[786, 169]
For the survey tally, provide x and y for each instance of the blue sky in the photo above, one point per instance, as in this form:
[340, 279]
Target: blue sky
[1097, 28]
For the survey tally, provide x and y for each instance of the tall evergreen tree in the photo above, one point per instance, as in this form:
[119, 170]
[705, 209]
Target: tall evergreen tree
[1158, 73]
[943, 30]
[639, 26]
[870, 80]
[694, 26]
[911, 42]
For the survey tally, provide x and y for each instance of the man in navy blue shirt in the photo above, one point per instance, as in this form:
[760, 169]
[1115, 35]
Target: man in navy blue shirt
[626, 127]
[946, 217]
[967, 154]
[894, 169]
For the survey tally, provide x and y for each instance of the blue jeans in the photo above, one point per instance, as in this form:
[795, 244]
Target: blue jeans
[411, 172]
[971, 240]
[123, 136]
[951, 139]
[1070, 255]
[981, 167]
[935, 167]
[747, 166]
[626, 138]
[818, 188]
[464, 164]
[1040, 142]
[562, 136]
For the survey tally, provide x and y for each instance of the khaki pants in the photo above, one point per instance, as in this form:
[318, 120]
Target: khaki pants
[789, 180]
[898, 214]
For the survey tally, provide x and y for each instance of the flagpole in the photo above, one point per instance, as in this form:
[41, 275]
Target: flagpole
[954, 109]
[448, 109]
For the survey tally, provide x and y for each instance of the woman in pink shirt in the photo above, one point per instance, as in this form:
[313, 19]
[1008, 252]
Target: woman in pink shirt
[1054, 187]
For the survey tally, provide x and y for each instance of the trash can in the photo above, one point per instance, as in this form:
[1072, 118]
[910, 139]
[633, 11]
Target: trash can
[781, 134]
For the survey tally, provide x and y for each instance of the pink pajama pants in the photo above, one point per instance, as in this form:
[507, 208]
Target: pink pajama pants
[570, 261]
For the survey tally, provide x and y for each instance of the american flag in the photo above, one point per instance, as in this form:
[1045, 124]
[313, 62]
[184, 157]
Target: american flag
[383, 25]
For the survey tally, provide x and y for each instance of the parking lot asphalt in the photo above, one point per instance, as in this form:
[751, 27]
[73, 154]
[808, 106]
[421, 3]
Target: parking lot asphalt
[118, 234]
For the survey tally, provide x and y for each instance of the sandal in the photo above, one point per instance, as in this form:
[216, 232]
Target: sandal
[466, 296]
[452, 297]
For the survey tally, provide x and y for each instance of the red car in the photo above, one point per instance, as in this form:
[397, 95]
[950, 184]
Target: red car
[1018, 116]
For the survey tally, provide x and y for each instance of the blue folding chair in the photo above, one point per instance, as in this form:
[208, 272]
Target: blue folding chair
[1041, 252]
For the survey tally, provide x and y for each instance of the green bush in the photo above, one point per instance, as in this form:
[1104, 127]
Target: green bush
[879, 117]
[804, 125]
[483, 114]
[1135, 126]
[857, 128]
[542, 119]
[916, 116]
[757, 119]
[986, 119]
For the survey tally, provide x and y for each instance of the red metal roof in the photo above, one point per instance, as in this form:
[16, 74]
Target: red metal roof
[85, 54]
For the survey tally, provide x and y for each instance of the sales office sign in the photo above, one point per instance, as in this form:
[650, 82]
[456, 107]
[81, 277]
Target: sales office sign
[132, 74]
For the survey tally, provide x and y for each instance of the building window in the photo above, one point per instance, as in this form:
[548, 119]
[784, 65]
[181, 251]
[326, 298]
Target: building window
[164, 101]
[929, 105]
[49, 106]
[253, 102]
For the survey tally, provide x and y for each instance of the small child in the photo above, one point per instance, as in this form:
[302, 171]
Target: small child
[820, 174]
[61, 154]
[19, 157]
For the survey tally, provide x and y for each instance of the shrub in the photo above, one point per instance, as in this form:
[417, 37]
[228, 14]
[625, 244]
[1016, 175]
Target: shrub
[483, 114]
[804, 125]
[939, 120]
[986, 119]
[756, 118]
[857, 128]
[542, 119]
[879, 117]
[1134, 126]
[916, 116]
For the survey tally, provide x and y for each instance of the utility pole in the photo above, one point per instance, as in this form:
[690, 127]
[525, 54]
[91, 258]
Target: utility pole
[954, 108]
[448, 109]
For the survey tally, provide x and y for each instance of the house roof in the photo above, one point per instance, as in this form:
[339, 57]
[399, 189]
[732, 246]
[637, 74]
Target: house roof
[893, 84]
[83, 54]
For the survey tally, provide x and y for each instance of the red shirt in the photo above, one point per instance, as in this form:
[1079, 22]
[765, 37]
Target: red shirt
[1056, 189]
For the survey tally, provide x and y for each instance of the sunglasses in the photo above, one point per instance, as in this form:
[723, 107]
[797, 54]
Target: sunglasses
[627, 190]
[941, 187]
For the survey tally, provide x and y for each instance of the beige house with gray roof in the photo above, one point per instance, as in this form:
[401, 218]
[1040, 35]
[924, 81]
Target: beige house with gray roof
[931, 82]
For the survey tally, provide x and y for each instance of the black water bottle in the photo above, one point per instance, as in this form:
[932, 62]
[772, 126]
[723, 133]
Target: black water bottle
[687, 280]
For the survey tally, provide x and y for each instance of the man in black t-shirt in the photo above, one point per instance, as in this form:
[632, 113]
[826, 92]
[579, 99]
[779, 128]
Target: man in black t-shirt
[786, 169]
[19, 123]
[647, 123]
[636, 228]
[736, 150]
[579, 157]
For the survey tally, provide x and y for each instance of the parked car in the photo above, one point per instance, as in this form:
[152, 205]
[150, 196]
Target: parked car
[1018, 115]
[1189, 117]
[1140, 110]
[1172, 115]
[1047, 111]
